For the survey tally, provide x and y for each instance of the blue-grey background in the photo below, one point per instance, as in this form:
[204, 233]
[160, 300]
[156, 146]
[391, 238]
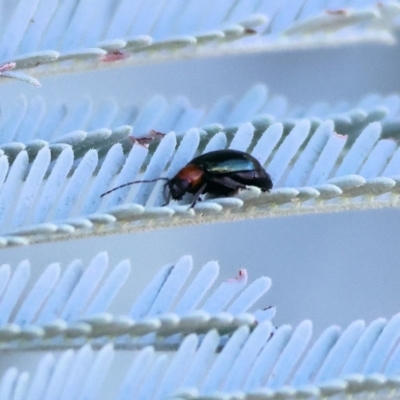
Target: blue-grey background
[331, 268]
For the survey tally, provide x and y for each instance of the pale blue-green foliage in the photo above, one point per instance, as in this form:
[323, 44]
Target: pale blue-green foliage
[73, 302]
[312, 155]
[45, 36]
[57, 159]
[257, 360]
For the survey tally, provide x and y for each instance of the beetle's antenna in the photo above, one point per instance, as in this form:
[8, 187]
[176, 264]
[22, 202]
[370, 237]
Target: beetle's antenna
[133, 182]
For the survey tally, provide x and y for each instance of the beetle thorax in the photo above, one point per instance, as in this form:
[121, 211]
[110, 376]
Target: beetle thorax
[187, 180]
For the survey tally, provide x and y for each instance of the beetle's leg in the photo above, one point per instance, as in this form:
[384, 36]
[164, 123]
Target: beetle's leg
[233, 193]
[255, 178]
[197, 194]
[229, 183]
[167, 195]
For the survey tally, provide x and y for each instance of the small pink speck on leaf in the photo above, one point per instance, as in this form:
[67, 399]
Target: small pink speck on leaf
[146, 140]
[156, 135]
[340, 136]
[340, 12]
[113, 56]
[241, 278]
[7, 67]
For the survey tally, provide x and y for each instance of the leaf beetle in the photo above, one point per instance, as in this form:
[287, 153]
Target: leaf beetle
[220, 173]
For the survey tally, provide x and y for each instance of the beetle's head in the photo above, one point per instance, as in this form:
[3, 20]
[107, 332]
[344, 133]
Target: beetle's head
[178, 187]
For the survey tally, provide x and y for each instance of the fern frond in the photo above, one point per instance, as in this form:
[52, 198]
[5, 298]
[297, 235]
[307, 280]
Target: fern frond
[320, 159]
[265, 363]
[66, 309]
[39, 37]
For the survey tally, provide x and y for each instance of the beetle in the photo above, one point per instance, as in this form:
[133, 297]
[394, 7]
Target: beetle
[220, 173]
